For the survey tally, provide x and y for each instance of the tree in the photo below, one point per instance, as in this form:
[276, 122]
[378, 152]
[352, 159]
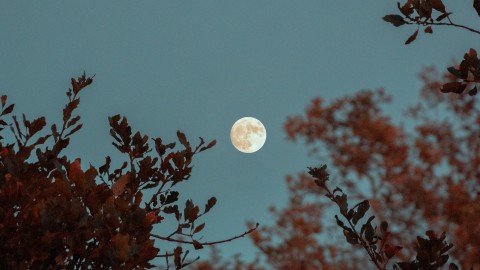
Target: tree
[55, 214]
[420, 183]
[420, 179]
[416, 179]
[422, 13]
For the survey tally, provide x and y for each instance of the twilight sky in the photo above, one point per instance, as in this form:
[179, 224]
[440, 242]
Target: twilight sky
[198, 66]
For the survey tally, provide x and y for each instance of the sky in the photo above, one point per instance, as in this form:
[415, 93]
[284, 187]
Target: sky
[198, 66]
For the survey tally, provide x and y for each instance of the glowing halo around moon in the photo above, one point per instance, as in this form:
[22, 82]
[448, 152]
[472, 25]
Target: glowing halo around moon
[248, 135]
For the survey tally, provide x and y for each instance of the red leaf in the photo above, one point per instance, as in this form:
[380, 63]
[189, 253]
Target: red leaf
[428, 30]
[36, 125]
[473, 91]
[476, 5]
[8, 110]
[406, 9]
[182, 139]
[394, 19]
[211, 202]
[199, 228]
[210, 145]
[411, 38]
[122, 247]
[75, 129]
[443, 16]
[438, 5]
[151, 217]
[472, 53]
[4, 100]
[119, 186]
[197, 244]
[390, 251]
[455, 87]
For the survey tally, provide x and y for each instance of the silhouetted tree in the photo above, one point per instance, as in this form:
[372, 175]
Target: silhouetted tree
[54, 214]
[427, 14]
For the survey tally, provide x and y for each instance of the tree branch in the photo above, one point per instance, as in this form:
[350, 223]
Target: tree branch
[204, 243]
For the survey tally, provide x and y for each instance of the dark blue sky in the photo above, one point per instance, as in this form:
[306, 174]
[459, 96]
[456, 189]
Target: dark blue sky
[198, 66]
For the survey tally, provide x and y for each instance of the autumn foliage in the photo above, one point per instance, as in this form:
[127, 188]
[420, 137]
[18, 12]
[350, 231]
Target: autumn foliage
[418, 179]
[56, 214]
[397, 194]
[406, 194]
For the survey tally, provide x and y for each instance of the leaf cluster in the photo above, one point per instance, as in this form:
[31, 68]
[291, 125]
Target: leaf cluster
[431, 252]
[55, 214]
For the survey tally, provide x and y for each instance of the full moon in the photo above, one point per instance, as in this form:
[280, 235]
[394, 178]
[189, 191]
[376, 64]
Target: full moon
[248, 135]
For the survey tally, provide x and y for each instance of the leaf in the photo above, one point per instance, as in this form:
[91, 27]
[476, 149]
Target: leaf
[36, 125]
[455, 87]
[170, 209]
[442, 260]
[171, 197]
[411, 38]
[72, 121]
[341, 224]
[182, 139]
[188, 209]
[104, 168]
[454, 72]
[472, 53]
[319, 173]
[464, 67]
[151, 217]
[8, 110]
[197, 244]
[443, 16]
[4, 100]
[41, 140]
[384, 227]
[428, 30]
[390, 251]
[369, 232]
[210, 145]
[69, 108]
[122, 248]
[452, 266]
[351, 237]
[342, 203]
[351, 213]
[54, 132]
[438, 5]
[406, 9]
[199, 228]
[211, 202]
[473, 91]
[476, 5]
[361, 210]
[176, 257]
[394, 19]
[367, 228]
[75, 129]
[138, 198]
[194, 214]
[119, 186]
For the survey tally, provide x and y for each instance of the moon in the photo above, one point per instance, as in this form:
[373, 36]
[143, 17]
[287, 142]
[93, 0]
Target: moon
[248, 135]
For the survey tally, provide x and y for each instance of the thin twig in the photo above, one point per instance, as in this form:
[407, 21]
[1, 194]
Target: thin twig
[204, 243]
